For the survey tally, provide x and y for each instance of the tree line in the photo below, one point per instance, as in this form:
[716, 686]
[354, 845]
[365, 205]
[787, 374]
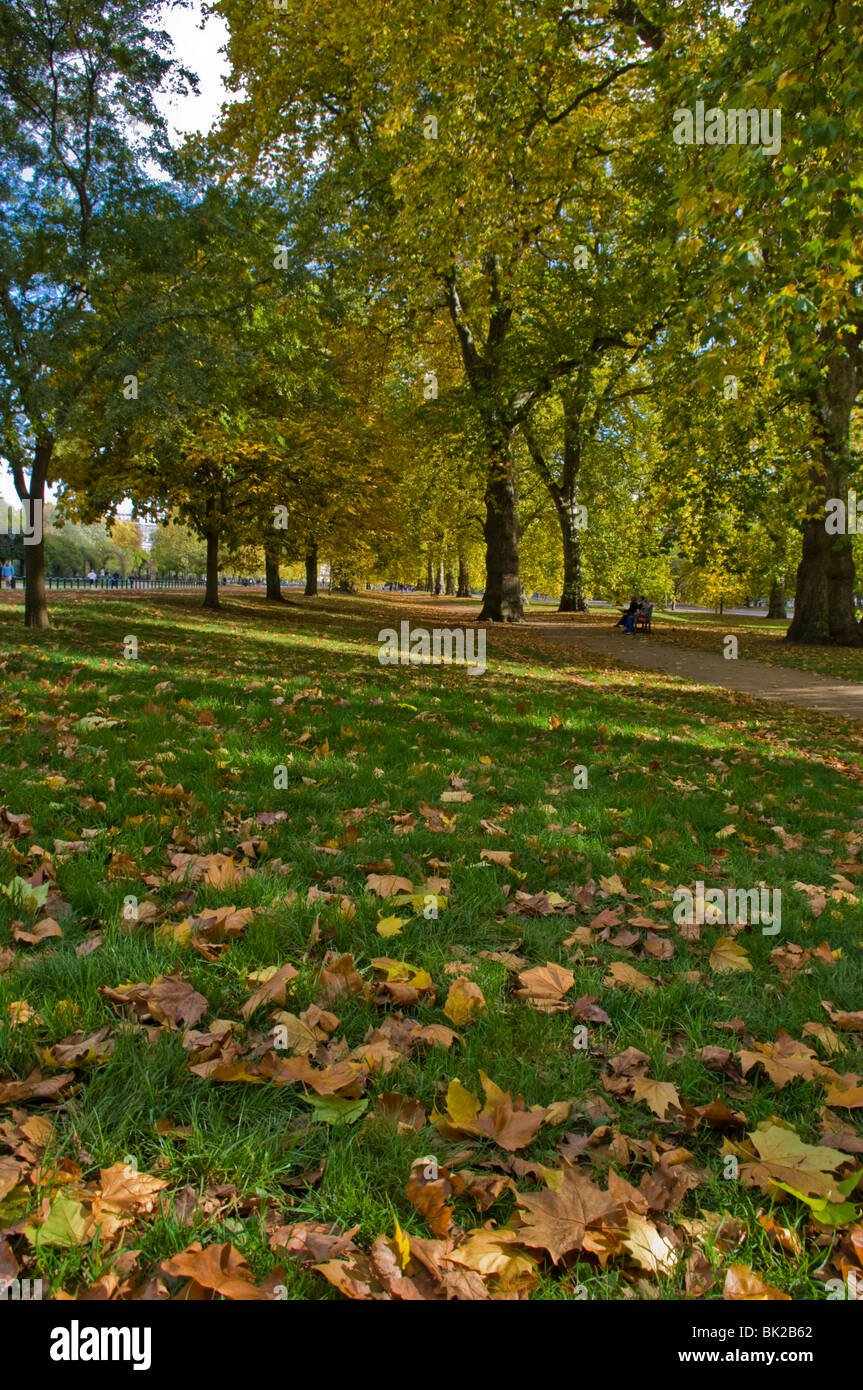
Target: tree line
[444, 289]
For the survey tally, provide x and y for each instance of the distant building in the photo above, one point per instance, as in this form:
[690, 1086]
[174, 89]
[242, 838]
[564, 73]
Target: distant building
[148, 531]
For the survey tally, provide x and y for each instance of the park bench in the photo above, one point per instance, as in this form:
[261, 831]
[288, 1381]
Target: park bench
[643, 622]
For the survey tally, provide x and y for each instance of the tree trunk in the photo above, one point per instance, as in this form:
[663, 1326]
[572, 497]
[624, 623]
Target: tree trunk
[271, 565]
[502, 598]
[776, 607]
[211, 593]
[449, 585]
[430, 575]
[463, 590]
[572, 600]
[311, 570]
[35, 589]
[824, 596]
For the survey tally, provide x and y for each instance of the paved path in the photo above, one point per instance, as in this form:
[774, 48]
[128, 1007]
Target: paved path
[829, 694]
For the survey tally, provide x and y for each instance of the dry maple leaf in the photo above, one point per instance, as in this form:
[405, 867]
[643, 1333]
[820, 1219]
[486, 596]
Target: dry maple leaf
[219, 1269]
[271, 990]
[847, 1022]
[784, 1157]
[558, 1219]
[429, 1195]
[387, 885]
[33, 1088]
[623, 974]
[728, 954]
[311, 1242]
[502, 1119]
[785, 1060]
[342, 1078]
[744, 1285]
[544, 986]
[464, 1002]
[648, 1247]
[125, 1190]
[497, 856]
[847, 1092]
[48, 927]
[658, 1095]
[498, 1256]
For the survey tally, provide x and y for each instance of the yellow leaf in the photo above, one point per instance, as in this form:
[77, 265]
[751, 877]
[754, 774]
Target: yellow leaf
[623, 974]
[462, 1104]
[659, 1095]
[390, 926]
[464, 1001]
[727, 955]
[403, 1245]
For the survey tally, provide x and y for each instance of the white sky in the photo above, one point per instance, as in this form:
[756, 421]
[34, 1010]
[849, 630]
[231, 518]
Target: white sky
[197, 42]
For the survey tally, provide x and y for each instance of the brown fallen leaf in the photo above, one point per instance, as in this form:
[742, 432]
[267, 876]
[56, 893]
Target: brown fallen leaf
[846, 1022]
[429, 1188]
[124, 1189]
[502, 1119]
[659, 1096]
[728, 954]
[744, 1285]
[497, 856]
[847, 1092]
[785, 1060]
[558, 1219]
[782, 1156]
[272, 988]
[42, 930]
[623, 974]
[33, 1088]
[387, 885]
[214, 1270]
[647, 1247]
[498, 1256]
[544, 986]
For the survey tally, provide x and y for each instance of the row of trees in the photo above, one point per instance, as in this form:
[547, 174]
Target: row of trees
[443, 291]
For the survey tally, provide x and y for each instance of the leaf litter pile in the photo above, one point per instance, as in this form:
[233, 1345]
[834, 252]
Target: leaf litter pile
[321, 979]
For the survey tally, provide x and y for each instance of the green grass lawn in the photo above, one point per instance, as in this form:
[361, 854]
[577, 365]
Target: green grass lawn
[166, 794]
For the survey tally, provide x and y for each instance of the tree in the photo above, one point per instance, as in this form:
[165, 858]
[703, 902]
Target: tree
[77, 89]
[455, 147]
[784, 220]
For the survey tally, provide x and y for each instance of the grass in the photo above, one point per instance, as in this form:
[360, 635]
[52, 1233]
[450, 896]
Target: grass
[188, 768]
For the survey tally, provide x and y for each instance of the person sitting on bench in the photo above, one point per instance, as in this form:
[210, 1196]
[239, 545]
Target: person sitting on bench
[627, 617]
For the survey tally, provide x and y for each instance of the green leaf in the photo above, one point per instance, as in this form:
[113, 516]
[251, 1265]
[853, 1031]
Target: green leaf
[65, 1226]
[333, 1110]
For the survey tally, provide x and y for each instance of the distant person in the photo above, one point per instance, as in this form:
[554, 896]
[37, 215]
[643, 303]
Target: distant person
[115, 579]
[8, 573]
[92, 576]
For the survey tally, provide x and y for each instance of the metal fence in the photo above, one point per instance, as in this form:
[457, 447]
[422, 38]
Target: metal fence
[79, 582]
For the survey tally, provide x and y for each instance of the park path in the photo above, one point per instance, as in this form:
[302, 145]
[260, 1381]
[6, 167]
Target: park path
[827, 694]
